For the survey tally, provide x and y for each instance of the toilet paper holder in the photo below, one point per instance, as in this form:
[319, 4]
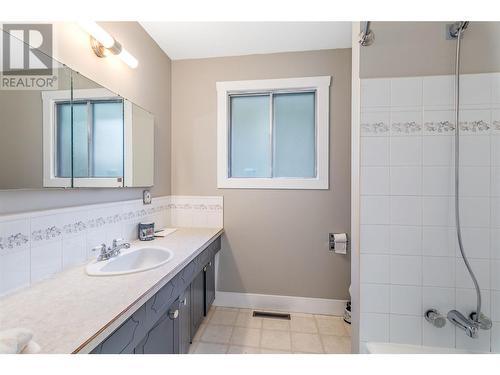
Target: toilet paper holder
[334, 239]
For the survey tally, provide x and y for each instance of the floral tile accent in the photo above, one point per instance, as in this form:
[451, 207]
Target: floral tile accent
[14, 240]
[410, 127]
[478, 126]
[439, 127]
[375, 128]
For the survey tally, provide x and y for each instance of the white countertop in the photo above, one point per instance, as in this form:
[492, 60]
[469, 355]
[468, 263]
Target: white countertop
[73, 312]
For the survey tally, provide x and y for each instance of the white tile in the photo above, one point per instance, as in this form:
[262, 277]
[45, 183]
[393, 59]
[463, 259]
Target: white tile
[374, 151]
[374, 268]
[375, 92]
[495, 212]
[438, 151]
[406, 180]
[438, 241]
[440, 337]
[441, 299]
[374, 327]
[495, 181]
[466, 301]
[406, 151]
[406, 270]
[406, 300]
[406, 329]
[439, 91]
[73, 251]
[475, 181]
[406, 210]
[14, 270]
[438, 271]
[495, 274]
[495, 337]
[375, 181]
[375, 210]
[14, 234]
[406, 91]
[406, 240]
[481, 268]
[375, 239]
[475, 151]
[495, 243]
[495, 149]
[476, 242]
[438, 181]
[475, 89]
[495, 305]
[495, 88]
[406, 123]
[374, 298]
[375, 123]
[475, 212]
[46, 260]
[438, 211]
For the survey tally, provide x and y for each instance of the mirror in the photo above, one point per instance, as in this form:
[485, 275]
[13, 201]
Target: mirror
[70, 133]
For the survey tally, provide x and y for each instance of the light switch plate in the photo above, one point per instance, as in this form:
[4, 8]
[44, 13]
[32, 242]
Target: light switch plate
[146, 197]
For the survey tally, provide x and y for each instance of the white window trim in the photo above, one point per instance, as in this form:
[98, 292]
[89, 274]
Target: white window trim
[322, 87]
[49, 100]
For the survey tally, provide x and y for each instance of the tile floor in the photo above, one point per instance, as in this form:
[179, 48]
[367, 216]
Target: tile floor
[236, 331]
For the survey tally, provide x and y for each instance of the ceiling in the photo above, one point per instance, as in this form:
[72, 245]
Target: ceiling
[191, 40]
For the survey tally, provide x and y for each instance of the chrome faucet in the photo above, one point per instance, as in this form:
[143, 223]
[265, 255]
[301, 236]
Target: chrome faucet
[470, 327]
[106, 253]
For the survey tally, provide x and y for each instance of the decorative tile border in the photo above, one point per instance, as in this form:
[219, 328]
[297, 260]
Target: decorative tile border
[13, 241]
[375, 128]
[408, 127]
[439, 127]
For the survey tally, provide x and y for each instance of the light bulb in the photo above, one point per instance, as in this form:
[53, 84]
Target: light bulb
[98, 33]
[128, 59]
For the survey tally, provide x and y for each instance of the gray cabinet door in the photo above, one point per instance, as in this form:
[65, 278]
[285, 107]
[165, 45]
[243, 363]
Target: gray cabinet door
[162, 338]
[197, 302]
[185, 321]
[209, 272]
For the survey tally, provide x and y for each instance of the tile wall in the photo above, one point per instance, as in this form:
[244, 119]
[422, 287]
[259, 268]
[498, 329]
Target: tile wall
[410, 260]
[36, 245]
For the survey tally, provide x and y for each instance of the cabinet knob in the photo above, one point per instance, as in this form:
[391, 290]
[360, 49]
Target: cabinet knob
[173, 314]
[184, 302]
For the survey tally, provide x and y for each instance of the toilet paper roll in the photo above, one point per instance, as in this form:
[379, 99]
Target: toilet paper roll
[340, 240]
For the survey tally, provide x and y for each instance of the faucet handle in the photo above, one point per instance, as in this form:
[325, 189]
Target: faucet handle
[101, 248]
[435, 318]
[116, 241]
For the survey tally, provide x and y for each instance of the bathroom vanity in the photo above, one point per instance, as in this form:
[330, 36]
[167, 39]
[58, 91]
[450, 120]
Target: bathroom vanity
[155, 311]
[168, 321]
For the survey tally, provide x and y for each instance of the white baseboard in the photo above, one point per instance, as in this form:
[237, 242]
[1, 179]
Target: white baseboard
[281, 303]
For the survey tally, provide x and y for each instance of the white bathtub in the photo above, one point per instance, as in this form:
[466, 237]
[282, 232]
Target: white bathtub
[390, 348]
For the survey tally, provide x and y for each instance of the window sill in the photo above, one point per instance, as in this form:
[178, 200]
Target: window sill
[273, 183]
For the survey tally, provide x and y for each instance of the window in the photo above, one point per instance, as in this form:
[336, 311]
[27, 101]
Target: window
[273, 134]
[97, 138]
[83, 138]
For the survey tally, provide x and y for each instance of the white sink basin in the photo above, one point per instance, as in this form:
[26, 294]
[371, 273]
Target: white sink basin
[131, 261]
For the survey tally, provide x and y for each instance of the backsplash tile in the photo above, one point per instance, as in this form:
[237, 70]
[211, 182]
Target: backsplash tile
[37, 245]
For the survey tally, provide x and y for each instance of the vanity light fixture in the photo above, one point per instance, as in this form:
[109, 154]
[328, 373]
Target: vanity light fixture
[103, 44]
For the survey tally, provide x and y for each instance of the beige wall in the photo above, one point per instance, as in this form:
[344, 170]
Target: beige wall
[148, 86]
[421, 48]
[276, 240]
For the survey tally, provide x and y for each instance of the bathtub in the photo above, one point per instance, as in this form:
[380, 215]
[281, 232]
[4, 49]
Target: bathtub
[391, 348]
